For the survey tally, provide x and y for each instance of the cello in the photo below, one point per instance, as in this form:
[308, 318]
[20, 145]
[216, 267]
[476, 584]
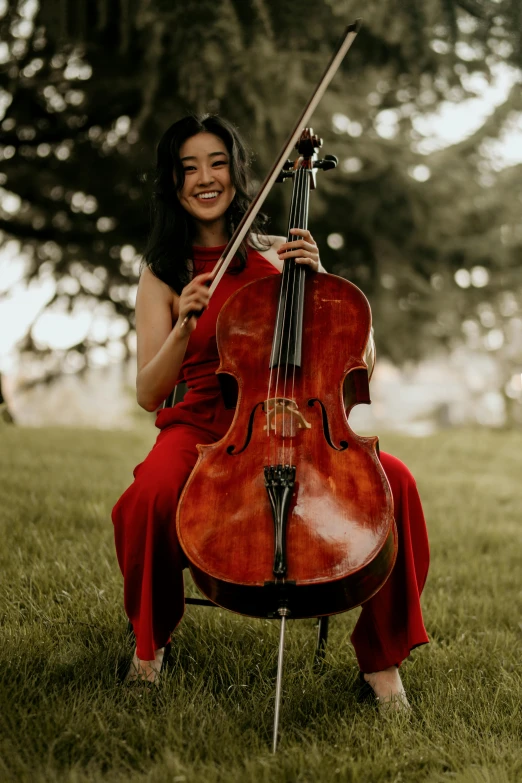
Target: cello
[291, 514]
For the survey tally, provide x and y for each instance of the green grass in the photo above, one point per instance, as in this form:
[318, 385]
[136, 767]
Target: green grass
[64, 716]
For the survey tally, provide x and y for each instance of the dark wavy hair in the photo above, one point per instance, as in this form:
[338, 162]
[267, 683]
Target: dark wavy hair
[169, 245]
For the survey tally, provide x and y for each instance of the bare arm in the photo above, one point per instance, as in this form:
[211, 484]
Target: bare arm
[161, 347]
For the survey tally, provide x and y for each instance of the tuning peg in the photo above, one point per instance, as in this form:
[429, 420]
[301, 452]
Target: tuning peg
[286, 171]
[328, 162]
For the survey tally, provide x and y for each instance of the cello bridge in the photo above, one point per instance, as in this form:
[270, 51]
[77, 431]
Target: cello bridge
[284, 417]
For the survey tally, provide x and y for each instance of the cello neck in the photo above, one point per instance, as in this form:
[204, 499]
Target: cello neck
[288, 329]
[298, 217]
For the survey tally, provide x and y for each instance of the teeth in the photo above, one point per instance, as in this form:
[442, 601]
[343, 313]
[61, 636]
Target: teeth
[208, 195]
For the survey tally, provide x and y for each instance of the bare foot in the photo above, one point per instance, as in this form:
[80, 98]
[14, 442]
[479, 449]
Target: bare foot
[389, 690]
[145, 671]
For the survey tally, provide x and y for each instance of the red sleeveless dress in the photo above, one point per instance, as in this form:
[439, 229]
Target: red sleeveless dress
[148, 551]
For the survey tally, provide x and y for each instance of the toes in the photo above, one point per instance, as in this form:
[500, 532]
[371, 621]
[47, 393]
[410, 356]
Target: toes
[145, 671]
[134, 670]
[396, 703]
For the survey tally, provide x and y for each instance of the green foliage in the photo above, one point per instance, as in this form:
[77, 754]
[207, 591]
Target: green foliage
[83, 145]
[65, 716]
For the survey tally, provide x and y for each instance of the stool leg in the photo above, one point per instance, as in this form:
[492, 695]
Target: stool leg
[322, 638]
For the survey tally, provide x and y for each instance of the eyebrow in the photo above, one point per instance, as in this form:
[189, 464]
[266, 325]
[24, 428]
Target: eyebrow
[211, 155]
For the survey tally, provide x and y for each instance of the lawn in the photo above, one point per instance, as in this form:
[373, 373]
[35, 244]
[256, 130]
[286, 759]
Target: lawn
[64, 715]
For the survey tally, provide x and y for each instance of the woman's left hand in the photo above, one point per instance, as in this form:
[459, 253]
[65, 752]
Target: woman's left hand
[303, 251]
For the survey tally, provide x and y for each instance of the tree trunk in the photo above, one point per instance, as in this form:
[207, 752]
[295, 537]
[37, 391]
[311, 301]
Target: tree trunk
[5, 414]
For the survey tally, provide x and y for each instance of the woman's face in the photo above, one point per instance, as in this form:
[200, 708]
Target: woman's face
[207, 191]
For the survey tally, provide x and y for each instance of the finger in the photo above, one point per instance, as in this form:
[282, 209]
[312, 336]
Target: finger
[304, 233]
[308, 262]
[193, 306]
[299, 254]
[196, 289]
[201, 293]
[192, 316]
[295, 243]
[200, 290]
[299, 243]
[196, 305]
[296, 253]
[202, 278]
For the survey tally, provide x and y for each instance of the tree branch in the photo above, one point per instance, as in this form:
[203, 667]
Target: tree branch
[478, 9]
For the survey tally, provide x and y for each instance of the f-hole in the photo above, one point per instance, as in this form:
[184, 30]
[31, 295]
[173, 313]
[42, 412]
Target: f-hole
[231, 449]
[343, 445]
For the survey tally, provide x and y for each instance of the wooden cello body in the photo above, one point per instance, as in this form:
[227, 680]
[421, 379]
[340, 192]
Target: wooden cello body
[338, 538]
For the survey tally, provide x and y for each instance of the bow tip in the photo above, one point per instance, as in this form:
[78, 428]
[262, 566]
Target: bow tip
[355, 27]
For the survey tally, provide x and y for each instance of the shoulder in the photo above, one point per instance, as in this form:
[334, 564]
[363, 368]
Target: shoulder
[148, 280]
[273, 242]
[152, 290]
[268, 246]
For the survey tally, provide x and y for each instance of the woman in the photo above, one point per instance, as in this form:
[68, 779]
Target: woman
[201, 194]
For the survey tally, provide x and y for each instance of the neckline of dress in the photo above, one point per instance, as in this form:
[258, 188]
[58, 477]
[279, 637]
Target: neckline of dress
[203, 253]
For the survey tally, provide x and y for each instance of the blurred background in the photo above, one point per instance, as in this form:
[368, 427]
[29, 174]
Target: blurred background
[422, 213]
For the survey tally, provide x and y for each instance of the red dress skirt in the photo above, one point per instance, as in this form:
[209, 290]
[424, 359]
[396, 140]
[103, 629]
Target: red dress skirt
[151, 560]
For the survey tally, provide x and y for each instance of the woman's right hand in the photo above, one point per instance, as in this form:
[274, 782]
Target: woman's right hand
[193, 299]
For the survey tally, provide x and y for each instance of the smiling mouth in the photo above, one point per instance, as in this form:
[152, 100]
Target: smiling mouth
[209, 196]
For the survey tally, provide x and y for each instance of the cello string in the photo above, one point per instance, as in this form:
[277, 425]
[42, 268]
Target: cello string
[299, 271]
[283, 298]
[280, 308]
[295, 224]
[288, 281]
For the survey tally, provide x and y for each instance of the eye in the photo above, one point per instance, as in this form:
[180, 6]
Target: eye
[189, 168]
[219, 163]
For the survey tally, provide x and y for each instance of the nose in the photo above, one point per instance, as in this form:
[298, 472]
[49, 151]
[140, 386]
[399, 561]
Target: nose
[206, 175]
